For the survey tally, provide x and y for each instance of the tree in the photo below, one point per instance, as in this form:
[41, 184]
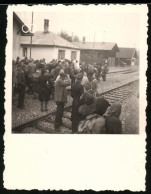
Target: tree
[69, 38]
[76, 39]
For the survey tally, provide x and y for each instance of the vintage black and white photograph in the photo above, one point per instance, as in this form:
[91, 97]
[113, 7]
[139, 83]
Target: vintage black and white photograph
[75, 92]
[75, 73]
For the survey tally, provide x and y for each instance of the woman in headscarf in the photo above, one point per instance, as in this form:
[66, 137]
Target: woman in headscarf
[113, 123]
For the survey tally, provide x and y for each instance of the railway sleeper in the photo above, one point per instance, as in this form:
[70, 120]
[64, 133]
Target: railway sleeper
[66, 122]
[48, 128]
[112, 98]
[120, 95]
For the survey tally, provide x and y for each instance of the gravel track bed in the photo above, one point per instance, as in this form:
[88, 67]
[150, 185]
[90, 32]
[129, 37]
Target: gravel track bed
[31, 111]
[130, 113]
[116, 80]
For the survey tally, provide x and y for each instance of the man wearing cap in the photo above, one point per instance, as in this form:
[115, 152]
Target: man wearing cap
[76, 92]
[60, 98]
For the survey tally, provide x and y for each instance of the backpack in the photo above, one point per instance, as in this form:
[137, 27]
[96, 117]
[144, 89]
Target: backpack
[93, 124]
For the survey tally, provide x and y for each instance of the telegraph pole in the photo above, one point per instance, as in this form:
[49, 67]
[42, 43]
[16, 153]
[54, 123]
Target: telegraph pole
[31, 34]
[92, 56]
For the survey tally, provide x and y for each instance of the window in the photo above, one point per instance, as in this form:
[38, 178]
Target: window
[61, 54]
[24, 51]
[73, 55]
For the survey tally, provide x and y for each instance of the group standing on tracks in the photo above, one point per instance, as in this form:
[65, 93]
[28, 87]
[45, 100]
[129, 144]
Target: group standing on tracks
[90, 112]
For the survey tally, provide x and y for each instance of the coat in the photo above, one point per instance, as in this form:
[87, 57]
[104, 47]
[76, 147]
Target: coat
[60, 90]
[113, 123]
[76, 91]
[21, 78]
[93, 124]
[44, 87]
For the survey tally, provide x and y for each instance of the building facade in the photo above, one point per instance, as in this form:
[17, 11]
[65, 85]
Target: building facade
[49, 46]
[17, 33]
[98, 52]
[42, 44]
[126, 57]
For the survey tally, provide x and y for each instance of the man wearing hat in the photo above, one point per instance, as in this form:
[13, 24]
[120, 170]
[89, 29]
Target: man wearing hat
[76, 92]
[60, 97]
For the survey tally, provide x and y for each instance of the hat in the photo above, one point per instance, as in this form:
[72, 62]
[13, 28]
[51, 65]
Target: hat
[62, 74]
[79, 76]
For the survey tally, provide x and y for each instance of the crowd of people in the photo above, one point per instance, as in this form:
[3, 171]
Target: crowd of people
[90, 112]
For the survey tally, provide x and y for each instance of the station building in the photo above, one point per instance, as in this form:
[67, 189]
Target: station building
[127, 56]
[46, 44]
[18, 25]
[98, 52]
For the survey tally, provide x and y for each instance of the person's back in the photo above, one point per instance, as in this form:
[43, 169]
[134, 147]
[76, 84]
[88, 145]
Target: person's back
[93, 124]
[76, 90]
[99, 126]
[60, 98]
[113, 123]
[101, 105]
[31, 68]
[60, 90]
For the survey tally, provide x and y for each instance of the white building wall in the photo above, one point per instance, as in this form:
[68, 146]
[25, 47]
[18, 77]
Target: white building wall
[16, 41]
[49, 53]
[67, 53]
[40, 52]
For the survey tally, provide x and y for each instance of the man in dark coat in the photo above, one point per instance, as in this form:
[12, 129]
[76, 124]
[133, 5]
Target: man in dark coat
[21, 85]
[60, 98]
[44, 89]
[76, 92]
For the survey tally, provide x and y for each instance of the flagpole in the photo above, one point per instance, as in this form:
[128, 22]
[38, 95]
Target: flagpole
[31, 34]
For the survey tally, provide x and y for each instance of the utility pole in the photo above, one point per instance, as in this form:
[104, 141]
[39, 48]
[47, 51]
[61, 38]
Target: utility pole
[31, 34]
[72, 36]
[92, 56]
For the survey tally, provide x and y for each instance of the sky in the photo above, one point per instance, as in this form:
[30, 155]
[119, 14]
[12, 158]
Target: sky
[96, 25]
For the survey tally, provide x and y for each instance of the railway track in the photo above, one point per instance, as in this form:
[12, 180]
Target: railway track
[122, 71]
[45, 123]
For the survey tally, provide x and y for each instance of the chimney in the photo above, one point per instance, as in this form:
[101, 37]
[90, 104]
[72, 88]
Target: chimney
[46, 25]
[83, 40]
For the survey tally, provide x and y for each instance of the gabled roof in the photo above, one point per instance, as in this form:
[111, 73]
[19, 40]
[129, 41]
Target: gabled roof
[97, 45]
[126, 52]
[47, 39]
[20, 23]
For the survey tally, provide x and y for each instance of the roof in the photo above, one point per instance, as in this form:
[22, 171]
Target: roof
[126, 52]
[20, 23]
[97, 45]
[47, 39]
